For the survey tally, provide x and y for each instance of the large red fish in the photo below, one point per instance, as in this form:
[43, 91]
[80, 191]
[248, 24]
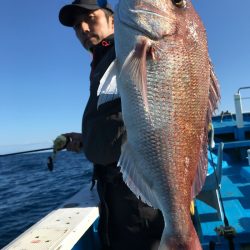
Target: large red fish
[168, 92]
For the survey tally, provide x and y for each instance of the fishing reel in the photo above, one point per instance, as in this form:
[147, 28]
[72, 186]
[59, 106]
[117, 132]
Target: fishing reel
[228, 232]
[59, 144]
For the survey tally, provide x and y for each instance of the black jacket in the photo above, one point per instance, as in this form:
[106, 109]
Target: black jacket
[125, 222]
[103, 129]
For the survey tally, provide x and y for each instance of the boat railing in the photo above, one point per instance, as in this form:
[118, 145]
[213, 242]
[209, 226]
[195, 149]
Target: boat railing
[210, 191]
[226, 114]
[238, 107]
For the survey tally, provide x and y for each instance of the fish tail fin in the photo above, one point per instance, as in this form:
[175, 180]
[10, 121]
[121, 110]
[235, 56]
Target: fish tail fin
[214, 97]
[190, 242]
[136, 181]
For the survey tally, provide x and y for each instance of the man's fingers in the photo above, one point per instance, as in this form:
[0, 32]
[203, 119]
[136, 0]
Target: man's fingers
[74, 146]
[74, 141]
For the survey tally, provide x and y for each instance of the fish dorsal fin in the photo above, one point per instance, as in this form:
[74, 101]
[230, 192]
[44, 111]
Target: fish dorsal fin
[214, 97]
[214, 92]
[135, 180]
[107, 90]
[135, 67]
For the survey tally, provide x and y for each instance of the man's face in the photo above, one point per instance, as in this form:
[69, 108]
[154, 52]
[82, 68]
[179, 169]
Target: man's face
[93, 28]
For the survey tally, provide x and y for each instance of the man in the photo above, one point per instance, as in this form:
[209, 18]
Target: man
[125, 222]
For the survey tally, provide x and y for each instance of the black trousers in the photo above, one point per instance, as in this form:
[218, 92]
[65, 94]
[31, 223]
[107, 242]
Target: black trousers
[126, 223]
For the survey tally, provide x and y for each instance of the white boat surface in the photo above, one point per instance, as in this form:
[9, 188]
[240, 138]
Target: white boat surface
[63, 227]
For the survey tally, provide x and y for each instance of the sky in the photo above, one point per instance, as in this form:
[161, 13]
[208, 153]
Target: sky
[44, 71]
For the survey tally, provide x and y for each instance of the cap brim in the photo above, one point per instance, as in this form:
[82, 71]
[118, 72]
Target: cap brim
[70, 13]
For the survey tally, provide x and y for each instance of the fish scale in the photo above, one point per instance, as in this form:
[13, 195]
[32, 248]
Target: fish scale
[163, 75]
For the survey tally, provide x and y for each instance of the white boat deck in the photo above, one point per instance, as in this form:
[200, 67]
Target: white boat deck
[63, 227]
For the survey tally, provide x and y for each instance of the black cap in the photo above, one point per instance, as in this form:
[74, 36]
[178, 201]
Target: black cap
[70, 13]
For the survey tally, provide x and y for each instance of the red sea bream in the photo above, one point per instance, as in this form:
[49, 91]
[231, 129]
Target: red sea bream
[168, 92]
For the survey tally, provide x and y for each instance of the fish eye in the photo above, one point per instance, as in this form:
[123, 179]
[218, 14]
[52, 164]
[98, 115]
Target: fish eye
[179, 3]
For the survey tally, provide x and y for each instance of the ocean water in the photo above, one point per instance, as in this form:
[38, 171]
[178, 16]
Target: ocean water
[29, 191]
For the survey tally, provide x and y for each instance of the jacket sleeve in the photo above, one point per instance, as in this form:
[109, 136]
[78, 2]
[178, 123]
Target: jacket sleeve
[104, 133]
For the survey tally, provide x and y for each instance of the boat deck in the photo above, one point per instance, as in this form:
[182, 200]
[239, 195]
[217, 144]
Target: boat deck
[235, 189]
[64, 227]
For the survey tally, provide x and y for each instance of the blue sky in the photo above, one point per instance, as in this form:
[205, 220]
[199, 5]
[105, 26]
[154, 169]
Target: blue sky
[44, 70]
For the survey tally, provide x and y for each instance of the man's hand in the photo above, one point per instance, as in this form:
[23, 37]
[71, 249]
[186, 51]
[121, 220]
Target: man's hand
[74, 142]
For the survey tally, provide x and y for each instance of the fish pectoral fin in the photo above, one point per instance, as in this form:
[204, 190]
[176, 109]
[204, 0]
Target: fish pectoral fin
[135, 67]
[107, 90]
[134, 179]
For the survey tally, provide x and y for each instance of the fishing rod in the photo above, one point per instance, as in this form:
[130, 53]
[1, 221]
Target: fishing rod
[59, 144]
[49, 161]
[25, 152]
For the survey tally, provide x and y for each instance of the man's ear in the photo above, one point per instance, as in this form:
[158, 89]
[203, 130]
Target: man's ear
[112, 21]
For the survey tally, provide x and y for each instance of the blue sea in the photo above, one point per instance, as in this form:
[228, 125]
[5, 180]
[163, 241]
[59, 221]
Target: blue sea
[29, 191]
